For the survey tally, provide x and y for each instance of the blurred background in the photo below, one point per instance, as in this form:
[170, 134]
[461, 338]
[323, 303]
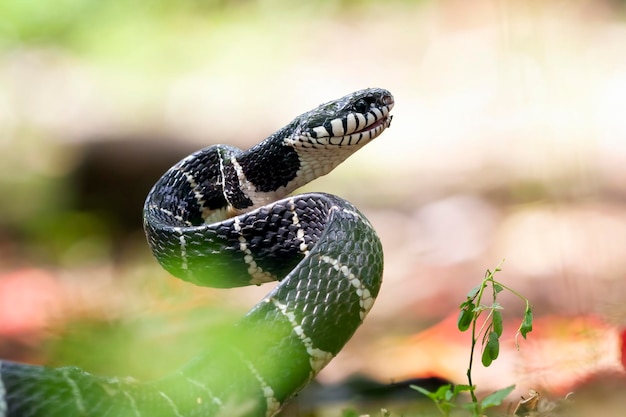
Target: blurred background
[508, 143]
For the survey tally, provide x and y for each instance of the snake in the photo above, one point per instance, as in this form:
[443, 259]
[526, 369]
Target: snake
[225, 217]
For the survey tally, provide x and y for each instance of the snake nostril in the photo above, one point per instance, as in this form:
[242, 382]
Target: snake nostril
[387, 99]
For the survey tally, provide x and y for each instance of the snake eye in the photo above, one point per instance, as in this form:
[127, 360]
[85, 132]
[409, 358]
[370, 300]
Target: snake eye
[361, 106]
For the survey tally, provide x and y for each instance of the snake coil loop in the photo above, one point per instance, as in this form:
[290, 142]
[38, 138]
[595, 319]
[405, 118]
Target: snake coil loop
[221, 217]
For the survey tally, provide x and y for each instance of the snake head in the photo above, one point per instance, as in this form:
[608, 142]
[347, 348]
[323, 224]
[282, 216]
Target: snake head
[354, 119]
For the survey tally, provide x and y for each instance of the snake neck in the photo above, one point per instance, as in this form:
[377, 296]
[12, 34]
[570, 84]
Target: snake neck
[264, 173]
[311, 146]
[265, 179]
[221, 182]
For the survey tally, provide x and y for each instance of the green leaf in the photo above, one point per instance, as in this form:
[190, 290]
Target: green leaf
[436, 396]
[442, 391]
[466, 315]
[497, 287]
[493, 345]
[491, 349]
[424, 391]
[473, 292]
[461, 388]
[527, 322]
[496, 398]
[496, 320]
[473, 408]
[486, 358]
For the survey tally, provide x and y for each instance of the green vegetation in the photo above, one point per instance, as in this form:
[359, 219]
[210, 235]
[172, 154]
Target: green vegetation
[80, 25]
[488, 332]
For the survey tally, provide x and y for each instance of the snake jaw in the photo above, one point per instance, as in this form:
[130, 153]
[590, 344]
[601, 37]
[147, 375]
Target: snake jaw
[386, 121]
[352, 120]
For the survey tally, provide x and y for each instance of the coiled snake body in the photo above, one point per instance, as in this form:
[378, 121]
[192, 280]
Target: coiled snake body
[213, 220]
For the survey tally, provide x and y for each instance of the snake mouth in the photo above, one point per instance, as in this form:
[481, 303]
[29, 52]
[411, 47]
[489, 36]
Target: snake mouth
[362, 116]
[346, 132]
[384, 121]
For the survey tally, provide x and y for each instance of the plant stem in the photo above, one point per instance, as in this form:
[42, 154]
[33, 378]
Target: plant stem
[473, 347]
[512, 291]
[469, 369]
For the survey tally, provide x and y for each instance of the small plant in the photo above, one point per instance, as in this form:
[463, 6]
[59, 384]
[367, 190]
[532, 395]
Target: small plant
[488, 334]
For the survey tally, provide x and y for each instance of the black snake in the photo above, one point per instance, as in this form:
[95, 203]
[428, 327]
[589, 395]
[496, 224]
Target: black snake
[213, 219]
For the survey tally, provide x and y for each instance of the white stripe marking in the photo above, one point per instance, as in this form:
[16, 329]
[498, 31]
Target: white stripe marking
[355, 215]
[194, 185]
[115, 386]
[183, 248]
[171, 403]
[318, 358]
[3, 393]
[300, 232]
[75, 391]
[259, 276]
[217, 401]
[133, 403]
[222, 180]
[171, 214]
[272, 403]
[245, 186]
[366, 301]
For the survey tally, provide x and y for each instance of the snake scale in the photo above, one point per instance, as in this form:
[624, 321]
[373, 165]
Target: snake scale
[223, 217]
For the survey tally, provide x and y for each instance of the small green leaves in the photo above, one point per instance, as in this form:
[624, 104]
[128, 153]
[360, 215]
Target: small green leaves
[474, 292]
[488, 332]
[443, 397]
[466, 315]
[462, 387]
[442, 393]
[496, 398]
[527, 323]
[496, 321]
[491, 349]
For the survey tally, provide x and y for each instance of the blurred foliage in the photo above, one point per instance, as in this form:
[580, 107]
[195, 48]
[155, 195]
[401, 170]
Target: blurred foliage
[83, 23]
[121, 346]
[69, 237]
